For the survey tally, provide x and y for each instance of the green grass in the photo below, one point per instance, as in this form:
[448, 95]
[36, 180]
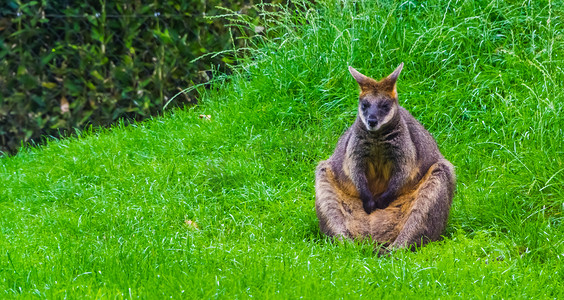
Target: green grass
[104, 215]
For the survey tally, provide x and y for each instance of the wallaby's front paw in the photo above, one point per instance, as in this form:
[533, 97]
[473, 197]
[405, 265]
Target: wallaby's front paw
[369, 205]
[384, 200]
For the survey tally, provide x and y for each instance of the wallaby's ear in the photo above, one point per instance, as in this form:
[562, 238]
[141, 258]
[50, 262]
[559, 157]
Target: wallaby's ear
[361, 79]
[392, 78]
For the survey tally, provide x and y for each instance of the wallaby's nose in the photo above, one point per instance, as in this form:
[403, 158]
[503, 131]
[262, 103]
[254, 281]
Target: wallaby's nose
[372, 121]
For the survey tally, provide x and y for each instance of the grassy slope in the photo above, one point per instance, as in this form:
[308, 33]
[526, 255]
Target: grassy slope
[104, 215]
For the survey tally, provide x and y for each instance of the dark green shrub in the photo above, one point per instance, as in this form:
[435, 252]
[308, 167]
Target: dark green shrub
[69, 64]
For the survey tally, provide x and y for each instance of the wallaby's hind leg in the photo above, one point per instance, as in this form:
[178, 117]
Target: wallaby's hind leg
[427, 218]
[327, 204]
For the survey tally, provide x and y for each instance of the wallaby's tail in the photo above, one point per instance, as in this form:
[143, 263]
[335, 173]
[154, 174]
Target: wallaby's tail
[429, 213]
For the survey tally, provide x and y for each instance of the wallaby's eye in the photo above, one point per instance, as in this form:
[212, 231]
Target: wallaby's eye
[384, 106]
[364, 105]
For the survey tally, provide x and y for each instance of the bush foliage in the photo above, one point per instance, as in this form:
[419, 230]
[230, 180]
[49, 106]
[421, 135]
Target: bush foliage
[69, 65]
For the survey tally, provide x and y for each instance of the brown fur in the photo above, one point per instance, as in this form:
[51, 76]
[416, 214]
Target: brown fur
[390, 182]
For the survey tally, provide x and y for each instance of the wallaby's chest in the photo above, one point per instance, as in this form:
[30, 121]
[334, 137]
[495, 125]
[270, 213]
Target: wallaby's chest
[378, 173]
[372, 158]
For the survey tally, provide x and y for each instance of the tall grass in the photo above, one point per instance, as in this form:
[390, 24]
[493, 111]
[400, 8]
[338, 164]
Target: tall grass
[112, 213]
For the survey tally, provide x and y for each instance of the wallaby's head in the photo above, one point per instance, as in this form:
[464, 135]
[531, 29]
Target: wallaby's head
[378, 101]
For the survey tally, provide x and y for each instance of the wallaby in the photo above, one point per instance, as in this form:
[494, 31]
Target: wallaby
[386, 179]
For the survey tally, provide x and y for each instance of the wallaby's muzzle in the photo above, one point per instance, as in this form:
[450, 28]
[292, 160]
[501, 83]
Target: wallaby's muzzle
[372, 121]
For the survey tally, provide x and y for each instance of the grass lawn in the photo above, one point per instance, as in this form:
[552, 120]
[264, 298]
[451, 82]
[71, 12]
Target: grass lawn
[185, 207]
